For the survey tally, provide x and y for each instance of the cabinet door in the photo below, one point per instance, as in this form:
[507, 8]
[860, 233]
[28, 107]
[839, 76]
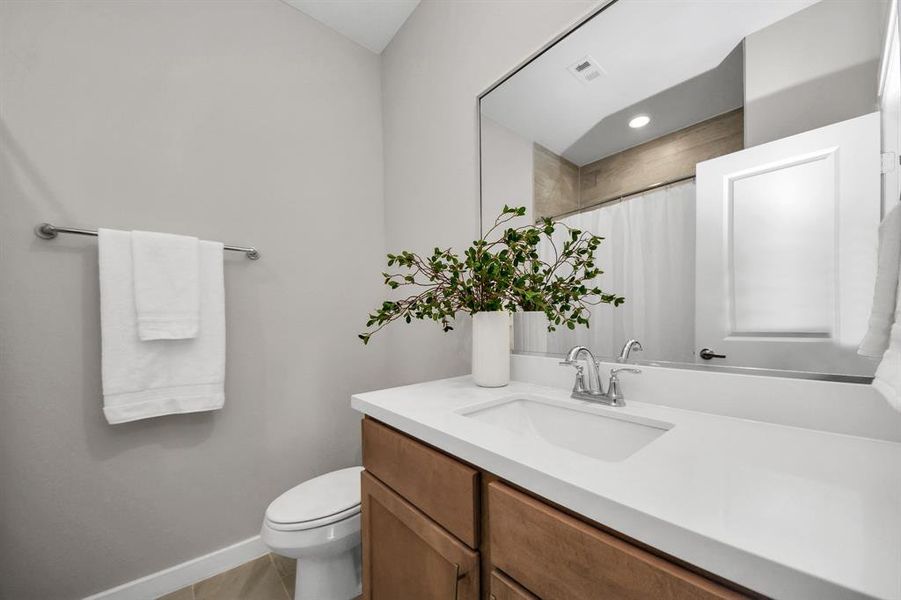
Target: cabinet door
[406, 556]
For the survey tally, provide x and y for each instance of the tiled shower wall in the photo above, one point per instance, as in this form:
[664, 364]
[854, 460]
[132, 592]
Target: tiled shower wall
[562, 187]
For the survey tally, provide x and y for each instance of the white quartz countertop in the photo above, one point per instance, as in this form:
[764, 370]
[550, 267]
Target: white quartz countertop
[785, 511]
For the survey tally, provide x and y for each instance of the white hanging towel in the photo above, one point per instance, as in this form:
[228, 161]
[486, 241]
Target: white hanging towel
[883, 337]
[167, 285]
[882, 314]
[888, 374]
[160, 377]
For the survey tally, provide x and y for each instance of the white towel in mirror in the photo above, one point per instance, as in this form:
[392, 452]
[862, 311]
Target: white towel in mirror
[883, 337]
[882, 314]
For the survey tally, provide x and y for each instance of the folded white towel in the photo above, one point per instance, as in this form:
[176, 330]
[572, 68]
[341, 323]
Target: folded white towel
[888, 374]
[876, 340]
[149, 379]
[166, 280]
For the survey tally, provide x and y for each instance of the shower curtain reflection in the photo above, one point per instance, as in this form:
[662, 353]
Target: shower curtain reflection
[648, 257]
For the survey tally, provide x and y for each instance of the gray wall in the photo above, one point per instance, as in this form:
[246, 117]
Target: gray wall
[241, 121]
[814, 68]
[432, 72]
[507, 172]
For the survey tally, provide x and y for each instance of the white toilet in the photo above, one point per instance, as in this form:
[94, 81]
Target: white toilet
[318, 523]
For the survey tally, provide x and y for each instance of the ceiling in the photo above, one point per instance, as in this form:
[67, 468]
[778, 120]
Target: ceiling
[370, 23]
[645, 49]
[712, 93]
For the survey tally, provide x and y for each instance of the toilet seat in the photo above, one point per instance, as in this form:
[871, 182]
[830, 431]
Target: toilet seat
[314, 523]
[319, 502]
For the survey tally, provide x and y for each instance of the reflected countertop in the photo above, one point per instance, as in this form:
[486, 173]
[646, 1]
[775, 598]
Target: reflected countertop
[785, 511]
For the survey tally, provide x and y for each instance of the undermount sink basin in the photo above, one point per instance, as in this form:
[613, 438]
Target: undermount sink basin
[576, 427]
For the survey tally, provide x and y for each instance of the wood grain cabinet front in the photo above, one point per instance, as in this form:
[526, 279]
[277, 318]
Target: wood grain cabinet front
[406, 556]
[504, 588]
[559, 557]
[443, 488]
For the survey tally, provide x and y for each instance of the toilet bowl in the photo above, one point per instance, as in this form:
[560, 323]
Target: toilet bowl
[318, 523]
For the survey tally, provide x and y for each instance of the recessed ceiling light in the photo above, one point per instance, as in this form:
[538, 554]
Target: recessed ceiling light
[639, 121]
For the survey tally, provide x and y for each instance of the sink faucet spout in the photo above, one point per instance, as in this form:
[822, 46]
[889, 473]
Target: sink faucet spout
[593, 383]
[628, 347]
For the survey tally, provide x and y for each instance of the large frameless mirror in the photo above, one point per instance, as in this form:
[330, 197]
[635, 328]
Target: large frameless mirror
[736, 155]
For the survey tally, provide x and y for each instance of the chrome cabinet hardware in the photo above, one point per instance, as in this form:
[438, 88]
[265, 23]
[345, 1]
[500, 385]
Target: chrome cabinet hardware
[457, 578]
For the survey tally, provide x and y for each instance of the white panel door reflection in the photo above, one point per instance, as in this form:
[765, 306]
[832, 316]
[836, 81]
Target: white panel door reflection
[786, 249]
[783, 250]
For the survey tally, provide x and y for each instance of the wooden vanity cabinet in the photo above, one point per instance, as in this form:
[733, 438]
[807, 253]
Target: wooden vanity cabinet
[436, 528]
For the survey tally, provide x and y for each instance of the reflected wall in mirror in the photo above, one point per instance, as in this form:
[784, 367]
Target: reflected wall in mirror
[736, 155]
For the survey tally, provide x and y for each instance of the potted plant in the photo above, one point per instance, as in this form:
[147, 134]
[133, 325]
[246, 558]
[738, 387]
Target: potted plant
[493, 278]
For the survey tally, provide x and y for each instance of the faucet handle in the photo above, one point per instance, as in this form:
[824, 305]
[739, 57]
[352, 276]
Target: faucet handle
[579, 386]
[614, 393]
[615, 372]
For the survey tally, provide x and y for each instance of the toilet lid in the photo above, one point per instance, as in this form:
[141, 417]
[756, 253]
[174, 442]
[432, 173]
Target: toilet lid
[332, 494]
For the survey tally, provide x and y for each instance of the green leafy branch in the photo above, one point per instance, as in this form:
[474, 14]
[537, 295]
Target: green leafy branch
[506, 273]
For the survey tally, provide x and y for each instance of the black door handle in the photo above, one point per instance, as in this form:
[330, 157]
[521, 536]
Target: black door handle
[707, 354]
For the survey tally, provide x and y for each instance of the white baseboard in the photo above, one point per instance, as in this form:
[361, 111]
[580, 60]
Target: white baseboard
[187, 573]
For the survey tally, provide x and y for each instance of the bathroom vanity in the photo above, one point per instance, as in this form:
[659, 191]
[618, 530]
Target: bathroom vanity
[445, 528]
[521, 492]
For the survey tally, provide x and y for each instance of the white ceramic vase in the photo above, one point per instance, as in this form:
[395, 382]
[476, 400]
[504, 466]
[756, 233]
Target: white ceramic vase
[491, 348]
[530, 331]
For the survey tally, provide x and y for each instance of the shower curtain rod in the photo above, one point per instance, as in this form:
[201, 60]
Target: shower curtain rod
[47, 231]
[650, 188]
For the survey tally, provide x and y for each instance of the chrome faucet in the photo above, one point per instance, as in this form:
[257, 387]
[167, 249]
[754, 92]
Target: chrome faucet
[590, 387]
[585, 386]
[628, 347]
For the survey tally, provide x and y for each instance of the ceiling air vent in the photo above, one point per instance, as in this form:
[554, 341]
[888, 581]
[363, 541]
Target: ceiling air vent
[586, 69]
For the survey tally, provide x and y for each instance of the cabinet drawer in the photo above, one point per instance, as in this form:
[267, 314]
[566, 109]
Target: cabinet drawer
[504, 588]
[441, 487]
[561, 558]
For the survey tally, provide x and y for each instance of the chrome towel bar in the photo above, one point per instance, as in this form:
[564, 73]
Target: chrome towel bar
[47, 231]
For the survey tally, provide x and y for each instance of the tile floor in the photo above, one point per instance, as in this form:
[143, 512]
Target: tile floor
[270, 577]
